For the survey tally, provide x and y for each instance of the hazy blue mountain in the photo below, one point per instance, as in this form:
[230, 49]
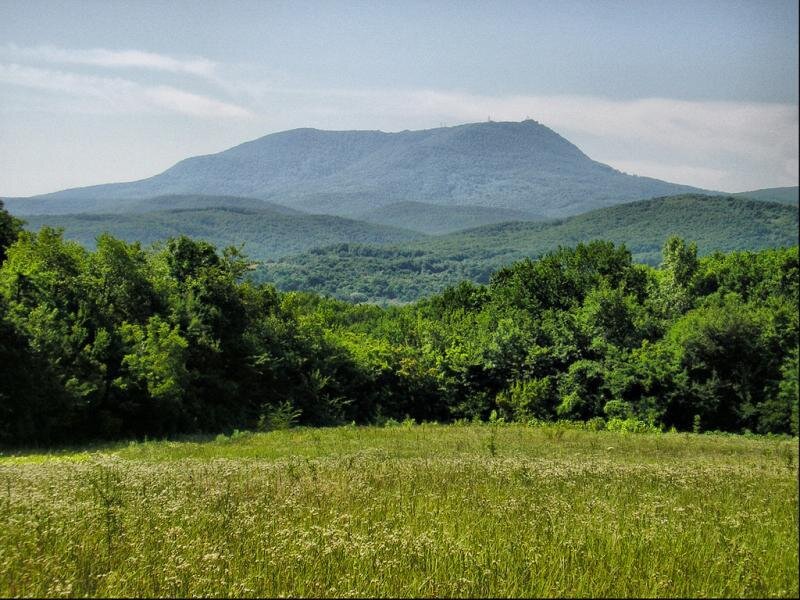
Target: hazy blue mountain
[520, 166]
[782, 195]
[266, 232]
[402, 273]
[434, 219]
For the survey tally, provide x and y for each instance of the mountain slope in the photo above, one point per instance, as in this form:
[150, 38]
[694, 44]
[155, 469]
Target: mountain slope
[265, 233]
[782, 195]
[521, 166]
[412, 270]
[433, 219]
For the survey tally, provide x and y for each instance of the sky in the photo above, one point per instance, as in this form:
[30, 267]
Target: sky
[696, 92]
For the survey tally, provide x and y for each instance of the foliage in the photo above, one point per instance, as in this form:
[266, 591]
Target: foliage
[417, 269]
[527, 398]
[435, 219]
[265, 233]
[282, 416]
[125, 341]
[9, 230]
[782, 195]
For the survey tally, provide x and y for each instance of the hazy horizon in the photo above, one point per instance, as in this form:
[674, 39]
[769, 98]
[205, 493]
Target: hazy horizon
[697, 93]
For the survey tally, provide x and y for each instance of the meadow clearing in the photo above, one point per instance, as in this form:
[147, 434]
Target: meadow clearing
[423, 510]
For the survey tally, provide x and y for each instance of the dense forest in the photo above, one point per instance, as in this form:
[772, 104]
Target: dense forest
[781, 195]
[363, 261]
[126, 341]
[266, 230]
[417, 269]
[435, 219]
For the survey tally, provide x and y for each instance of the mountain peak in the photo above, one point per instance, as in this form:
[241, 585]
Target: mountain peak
[505, 164]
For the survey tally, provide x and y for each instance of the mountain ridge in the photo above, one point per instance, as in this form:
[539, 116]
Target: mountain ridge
[264, 232]
[39, 206]
[435, 219]
[789, 195]
[511, 165]
[402, 273]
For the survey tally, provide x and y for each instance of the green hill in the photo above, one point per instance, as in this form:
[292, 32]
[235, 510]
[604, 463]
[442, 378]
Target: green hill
[781, 195]
[412, 270]
[69, 206]
[433, 219]
[265, 232]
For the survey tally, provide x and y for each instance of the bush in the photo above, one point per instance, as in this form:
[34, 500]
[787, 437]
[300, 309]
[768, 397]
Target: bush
[618, 409]
[631, 425]
[526, 399]
[275, 418]
[596, 424]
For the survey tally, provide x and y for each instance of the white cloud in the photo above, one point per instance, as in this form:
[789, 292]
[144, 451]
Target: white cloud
[193, 104]
[102, 57]
[712, 144]
[115, 94]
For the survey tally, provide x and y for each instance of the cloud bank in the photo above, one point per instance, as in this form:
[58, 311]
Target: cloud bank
[114, 94]
[114, 59]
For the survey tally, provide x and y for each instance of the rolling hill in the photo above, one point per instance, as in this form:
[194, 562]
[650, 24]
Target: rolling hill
[406, 272]
[521, 166]
[264, 230]
[781, 195]
[24, 207]
[434, 219]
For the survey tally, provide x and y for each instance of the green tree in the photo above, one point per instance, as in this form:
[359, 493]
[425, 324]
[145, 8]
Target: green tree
[155, 367]
[779, 411]
[724, 362]
[583, 391]
[9, 230]
[528, 398]
[674, 295]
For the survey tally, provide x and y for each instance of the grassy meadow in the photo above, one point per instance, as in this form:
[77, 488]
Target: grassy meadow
[424, 510]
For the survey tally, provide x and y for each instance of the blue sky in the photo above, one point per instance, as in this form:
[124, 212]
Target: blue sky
[704, 93]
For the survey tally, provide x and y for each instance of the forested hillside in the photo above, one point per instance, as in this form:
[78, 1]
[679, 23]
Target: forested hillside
[433, 219]
[417, 269]
[263, 230]
[25, 207]
[781, 195]
[124, 341]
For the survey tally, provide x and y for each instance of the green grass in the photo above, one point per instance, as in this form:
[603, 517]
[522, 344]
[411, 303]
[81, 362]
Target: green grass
[477, 510]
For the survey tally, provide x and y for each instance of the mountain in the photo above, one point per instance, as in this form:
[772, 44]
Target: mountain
[406, 272]
[782, 195]
[265, 230]
[519, 166]
[434, 219]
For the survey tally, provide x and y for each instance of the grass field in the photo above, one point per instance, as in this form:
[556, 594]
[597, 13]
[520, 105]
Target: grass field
[429, 510]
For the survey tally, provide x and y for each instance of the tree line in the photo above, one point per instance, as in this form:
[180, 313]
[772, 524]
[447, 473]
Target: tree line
[126, 341]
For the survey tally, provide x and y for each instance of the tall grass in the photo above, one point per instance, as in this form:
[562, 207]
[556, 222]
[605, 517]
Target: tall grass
[405, 511]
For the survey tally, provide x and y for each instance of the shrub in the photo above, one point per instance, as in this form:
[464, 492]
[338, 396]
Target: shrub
[526, 399]
[631, 425]
[282, 416]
